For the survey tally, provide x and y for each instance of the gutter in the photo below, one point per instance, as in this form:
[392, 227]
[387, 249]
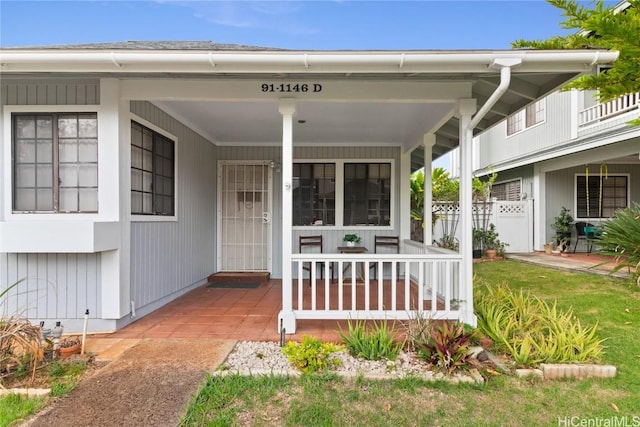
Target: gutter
[505, 65]
[321, 62]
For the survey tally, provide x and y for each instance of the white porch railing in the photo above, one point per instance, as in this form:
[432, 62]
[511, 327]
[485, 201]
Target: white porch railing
[609, 109]
[431, 288]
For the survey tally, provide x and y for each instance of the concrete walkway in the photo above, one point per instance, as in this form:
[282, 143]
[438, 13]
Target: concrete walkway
[582, 262]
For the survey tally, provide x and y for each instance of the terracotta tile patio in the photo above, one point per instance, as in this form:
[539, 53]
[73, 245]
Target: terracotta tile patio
[251, 314]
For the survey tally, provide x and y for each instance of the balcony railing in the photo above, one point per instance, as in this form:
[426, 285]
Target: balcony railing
[610, 109]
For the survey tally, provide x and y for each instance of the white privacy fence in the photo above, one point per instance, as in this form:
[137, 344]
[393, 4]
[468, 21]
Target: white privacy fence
[513, 221]
[432, 286]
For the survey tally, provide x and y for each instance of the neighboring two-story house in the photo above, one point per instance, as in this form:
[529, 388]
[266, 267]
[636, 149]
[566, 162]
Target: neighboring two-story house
[565, 150]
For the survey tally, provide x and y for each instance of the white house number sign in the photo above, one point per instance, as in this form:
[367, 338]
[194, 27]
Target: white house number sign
[292, 87]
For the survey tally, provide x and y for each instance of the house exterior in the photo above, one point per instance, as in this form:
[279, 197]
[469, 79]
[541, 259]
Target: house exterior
[566, 150]
[131, 171]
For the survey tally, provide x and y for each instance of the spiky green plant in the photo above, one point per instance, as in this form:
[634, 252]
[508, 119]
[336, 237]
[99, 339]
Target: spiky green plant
[620, 238]
[375, 343]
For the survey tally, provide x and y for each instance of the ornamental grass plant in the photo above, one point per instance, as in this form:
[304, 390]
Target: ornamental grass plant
[533, 331]
[375, 343]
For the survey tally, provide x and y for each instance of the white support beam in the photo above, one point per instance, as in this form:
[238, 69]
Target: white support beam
[404, 210]
[286, 317]
[428, 141]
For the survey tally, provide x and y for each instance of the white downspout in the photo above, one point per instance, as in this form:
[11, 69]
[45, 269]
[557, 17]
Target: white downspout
[505, 65]
[467, 124]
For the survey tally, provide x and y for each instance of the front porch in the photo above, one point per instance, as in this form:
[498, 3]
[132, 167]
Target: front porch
[251, 314]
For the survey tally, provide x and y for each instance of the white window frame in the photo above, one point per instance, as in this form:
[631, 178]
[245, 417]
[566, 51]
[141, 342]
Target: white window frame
[7, 164]
[340, 196]
[522, 117]
[174, 138]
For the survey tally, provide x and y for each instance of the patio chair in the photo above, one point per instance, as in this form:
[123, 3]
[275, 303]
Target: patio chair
[308, 243]
[389, 242]
[584, 231]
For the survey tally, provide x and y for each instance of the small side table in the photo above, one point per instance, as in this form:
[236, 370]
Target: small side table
[353, 250]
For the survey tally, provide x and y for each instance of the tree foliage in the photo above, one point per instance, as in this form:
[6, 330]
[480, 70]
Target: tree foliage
[600, 27]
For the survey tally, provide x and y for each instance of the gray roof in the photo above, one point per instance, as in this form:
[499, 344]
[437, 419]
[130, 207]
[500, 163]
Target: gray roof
[152, 45]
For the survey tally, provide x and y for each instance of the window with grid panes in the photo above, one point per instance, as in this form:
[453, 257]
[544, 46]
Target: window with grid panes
[55, 162]
[314, 194]
[607, 194]
[530, 116]
[367, 194]
[152, 172]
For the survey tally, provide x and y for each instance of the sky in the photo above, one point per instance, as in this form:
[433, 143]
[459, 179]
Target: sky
[318, 25]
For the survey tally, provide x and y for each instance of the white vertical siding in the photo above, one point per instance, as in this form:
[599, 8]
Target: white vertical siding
[495, 147]
[60, 92]
[169, 256]
[55, 286]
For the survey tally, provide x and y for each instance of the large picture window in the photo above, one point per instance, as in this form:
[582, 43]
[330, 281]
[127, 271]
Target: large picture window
[342, 193]
[152, 172]
[314, 194]
[55, 162]
[367, 193]
[606, 195]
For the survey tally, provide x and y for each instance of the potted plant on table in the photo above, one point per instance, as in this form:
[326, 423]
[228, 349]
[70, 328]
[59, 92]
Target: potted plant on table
[562, 224]
[351, 239]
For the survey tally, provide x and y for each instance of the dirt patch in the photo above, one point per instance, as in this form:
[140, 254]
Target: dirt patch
[150, 384]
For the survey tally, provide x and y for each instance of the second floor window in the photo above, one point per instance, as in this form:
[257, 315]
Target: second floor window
[530, 116]
[55, 162]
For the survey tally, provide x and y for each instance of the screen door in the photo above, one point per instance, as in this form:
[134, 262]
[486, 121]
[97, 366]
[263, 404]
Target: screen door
[244, 216]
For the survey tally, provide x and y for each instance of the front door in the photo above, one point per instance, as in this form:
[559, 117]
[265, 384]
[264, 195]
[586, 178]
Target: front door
[244, 216]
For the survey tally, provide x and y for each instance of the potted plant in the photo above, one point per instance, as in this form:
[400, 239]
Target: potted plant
[493, 246]
[351, 239]
[562, 225]
[69, 346]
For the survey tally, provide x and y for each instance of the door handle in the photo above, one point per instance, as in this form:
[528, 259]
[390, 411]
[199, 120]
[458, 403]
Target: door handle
[266, 217]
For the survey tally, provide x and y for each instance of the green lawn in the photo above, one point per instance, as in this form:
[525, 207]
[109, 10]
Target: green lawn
[332, 401]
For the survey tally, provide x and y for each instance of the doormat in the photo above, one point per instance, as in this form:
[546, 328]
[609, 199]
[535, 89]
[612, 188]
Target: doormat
[234, 285]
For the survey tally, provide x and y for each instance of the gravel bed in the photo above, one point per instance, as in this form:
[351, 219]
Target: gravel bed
[264, 358]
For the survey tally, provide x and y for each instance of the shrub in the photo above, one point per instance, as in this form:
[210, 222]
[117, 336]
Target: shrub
[374, 344]
[311, 355]
[448, 346]
[532, 331]
[620, 238]
[418, 330]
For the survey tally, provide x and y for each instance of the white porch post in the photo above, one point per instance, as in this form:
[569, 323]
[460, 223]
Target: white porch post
[540, 208]
[428, 141]
[286, 317]
[405, 195]
[466, 108]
